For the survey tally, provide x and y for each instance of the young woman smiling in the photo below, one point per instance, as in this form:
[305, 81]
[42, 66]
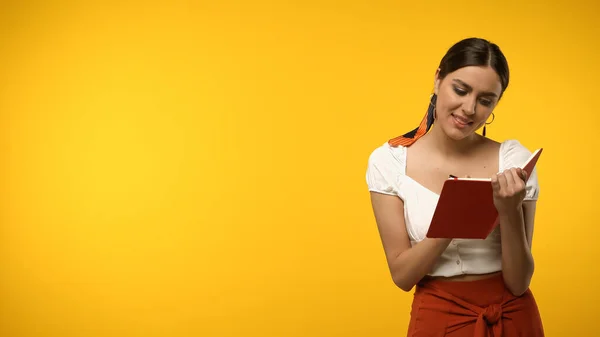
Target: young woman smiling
[464, 287]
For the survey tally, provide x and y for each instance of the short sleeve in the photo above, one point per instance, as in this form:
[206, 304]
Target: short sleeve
[514, 154]
[383, 170]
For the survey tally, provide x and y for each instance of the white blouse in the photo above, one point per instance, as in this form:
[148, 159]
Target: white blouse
[386, 173]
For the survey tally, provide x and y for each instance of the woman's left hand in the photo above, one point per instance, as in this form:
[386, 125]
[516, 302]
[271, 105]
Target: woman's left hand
[509, 190]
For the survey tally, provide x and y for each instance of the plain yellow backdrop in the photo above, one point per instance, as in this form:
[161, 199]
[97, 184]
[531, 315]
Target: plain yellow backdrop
[181, 168]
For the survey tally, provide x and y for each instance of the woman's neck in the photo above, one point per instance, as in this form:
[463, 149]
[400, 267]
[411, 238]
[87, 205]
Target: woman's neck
[449, 147]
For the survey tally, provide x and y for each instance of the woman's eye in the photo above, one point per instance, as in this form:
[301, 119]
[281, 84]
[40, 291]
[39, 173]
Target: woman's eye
[459, 91]
[486, 102]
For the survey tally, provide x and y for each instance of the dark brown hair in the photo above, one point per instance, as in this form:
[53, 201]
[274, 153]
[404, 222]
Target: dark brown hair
[475, 52]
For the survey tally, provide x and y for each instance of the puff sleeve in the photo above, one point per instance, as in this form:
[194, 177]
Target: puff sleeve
[515, 155]
[383, 171]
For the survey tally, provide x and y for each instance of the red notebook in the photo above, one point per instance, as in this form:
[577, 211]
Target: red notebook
[465, 208]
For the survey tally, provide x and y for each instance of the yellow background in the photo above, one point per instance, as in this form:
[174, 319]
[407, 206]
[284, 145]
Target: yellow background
[173, 168]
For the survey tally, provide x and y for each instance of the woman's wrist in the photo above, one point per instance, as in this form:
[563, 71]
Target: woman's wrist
[511, 214]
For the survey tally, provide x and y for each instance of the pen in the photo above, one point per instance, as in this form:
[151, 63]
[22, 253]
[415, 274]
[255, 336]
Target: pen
[451, 176]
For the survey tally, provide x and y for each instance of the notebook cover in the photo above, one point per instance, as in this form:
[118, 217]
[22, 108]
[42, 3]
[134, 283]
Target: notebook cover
[532, 161]
[465, 210]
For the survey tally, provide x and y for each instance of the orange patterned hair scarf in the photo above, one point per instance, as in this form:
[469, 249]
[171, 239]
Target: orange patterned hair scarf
[409, 138]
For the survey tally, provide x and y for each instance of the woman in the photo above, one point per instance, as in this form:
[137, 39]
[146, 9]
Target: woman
[463, 287]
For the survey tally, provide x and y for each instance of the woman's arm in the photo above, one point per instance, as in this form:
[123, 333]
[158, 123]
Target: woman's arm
[516, 229]
[407, 265]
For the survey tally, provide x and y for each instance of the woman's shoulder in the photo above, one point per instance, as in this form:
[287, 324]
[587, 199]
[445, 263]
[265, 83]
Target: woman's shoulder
[513, 153]
[388, 155]
[385, 167]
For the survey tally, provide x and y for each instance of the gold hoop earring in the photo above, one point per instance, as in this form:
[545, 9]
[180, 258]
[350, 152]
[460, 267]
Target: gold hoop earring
[486, 123]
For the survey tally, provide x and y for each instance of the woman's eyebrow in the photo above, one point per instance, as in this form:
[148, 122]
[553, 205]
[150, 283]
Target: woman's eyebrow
[487, 93]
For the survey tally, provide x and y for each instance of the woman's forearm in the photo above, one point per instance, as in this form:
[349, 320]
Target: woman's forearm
[517, 260]
[414, 263]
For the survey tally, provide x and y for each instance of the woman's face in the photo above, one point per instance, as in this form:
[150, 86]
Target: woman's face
[466, 98]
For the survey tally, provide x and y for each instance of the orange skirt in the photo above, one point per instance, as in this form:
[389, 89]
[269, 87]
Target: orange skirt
[481, 308]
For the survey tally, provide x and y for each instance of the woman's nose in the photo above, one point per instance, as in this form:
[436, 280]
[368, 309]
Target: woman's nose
[469, 106]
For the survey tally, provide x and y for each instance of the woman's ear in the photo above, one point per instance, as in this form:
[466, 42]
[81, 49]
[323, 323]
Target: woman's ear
[436, 81]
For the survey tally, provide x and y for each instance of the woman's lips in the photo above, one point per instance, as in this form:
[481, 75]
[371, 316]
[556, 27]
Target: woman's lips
[461, 121]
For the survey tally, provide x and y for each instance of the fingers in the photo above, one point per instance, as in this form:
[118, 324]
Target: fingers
[495, 183]
[518, 176]
[510, 177]
[523, 174]
[502, 183]
[509, 182]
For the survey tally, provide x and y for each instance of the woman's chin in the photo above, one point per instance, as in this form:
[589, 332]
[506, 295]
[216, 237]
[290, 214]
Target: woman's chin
[459, 134]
